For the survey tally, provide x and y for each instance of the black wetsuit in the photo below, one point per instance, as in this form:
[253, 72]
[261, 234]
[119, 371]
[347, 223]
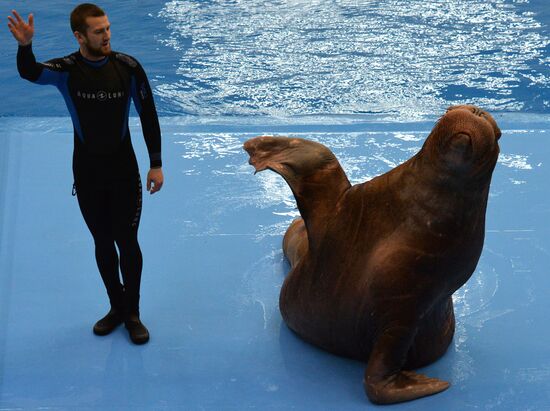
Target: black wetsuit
[107, 182]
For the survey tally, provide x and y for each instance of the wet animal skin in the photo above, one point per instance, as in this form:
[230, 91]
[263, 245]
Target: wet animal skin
[374, 265]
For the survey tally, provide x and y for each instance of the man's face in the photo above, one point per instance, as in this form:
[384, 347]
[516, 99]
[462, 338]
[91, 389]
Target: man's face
[97, 39]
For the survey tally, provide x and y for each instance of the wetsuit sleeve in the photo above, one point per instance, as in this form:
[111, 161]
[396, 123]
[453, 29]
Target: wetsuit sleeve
[39, 73]
[145, 106]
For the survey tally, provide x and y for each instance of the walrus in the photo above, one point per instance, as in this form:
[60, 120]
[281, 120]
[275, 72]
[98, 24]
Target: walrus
[373, 266]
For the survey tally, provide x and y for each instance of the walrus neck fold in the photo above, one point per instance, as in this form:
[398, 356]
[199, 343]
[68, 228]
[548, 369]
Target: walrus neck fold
[466, 177]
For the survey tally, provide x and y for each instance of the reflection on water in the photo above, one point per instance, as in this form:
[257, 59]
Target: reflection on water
[261, 285]
[472, 300]
[398, 59]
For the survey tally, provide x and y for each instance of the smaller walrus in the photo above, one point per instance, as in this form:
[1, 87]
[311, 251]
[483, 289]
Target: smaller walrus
[374, 265]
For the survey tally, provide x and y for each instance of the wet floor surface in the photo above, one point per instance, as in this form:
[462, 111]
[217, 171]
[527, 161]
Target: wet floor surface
[213, 268]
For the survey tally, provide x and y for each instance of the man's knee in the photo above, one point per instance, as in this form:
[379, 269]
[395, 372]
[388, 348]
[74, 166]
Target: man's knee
[104, 242]
[127, 243]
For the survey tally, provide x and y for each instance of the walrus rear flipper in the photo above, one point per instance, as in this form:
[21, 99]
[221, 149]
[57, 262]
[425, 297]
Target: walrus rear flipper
[385, 381]
[310, 169]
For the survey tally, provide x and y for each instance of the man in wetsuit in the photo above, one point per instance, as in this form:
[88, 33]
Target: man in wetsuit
[97, 85]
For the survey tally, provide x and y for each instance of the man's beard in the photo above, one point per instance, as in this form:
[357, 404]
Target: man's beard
[99, 51]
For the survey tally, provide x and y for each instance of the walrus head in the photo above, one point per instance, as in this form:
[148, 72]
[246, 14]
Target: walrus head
[464, 142]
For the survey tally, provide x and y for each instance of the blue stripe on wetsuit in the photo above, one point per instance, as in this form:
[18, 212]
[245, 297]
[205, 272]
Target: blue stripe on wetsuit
[137, 104]
[135, 97]
[60, 79]
[95, 64]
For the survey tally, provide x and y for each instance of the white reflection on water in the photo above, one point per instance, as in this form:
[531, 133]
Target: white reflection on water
[472, 300]
[261, 285]
[216, 145]
[515, 161]
[402, 59]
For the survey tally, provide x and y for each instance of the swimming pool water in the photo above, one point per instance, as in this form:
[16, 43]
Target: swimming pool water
[395, 60]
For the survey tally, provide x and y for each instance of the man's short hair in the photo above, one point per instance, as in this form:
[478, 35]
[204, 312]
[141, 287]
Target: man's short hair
[80, 13]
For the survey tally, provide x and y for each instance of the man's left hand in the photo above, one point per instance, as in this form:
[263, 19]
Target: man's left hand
[155, 179]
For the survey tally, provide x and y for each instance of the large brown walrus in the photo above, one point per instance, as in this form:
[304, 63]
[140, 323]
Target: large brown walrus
[374, 265]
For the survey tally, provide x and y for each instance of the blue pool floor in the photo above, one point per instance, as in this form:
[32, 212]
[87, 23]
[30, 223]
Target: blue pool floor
[213, 268]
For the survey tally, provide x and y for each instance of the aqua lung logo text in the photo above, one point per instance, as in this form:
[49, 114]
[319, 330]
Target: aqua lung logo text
[100, 95]
[53, 65]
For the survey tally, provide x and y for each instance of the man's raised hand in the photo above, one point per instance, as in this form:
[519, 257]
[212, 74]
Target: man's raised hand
[22, 31]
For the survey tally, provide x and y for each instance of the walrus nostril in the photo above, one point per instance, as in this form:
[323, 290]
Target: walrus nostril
[477, 111]
[473, 109]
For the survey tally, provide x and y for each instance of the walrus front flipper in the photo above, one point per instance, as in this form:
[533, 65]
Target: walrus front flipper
[295, 242]
[385, 382]
[310, 169]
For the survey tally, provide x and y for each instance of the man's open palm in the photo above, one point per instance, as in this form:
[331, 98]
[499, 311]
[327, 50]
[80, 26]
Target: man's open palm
[21, 30]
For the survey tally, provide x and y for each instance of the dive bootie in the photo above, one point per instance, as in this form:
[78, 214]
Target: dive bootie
[137, 331]
[108, 323]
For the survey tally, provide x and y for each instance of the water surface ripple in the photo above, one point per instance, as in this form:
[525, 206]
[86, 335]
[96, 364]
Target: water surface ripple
[396, 59]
